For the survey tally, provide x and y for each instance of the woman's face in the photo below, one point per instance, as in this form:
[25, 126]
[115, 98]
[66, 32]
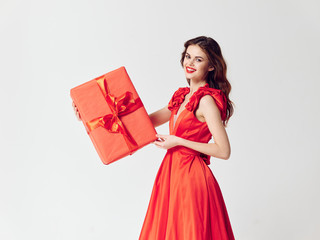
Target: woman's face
[196, 63]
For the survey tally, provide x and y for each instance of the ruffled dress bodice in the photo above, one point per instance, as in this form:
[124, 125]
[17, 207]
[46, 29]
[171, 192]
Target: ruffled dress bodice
[186, 125]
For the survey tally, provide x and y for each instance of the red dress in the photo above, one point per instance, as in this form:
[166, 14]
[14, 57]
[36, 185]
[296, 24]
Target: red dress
[186, 201]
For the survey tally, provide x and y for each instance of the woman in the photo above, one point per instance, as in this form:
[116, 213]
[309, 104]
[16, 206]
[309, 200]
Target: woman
[186, 202]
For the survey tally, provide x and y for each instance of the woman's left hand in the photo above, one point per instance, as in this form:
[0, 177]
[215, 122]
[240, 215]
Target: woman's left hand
[167, 141]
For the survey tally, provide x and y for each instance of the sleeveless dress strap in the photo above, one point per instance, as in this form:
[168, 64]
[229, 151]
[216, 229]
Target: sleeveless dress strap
[218, 96]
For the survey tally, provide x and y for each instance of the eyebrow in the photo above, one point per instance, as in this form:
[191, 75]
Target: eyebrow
[196, 56]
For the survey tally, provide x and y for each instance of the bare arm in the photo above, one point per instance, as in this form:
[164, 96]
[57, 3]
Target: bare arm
[160, 117]
[221, 146]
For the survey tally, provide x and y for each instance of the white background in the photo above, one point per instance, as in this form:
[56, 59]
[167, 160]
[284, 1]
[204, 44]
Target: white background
[52, 182]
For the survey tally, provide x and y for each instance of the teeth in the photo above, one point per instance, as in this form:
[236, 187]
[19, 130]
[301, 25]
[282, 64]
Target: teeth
[190, 70]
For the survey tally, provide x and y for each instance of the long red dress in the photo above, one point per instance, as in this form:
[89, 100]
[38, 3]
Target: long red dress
[186, 201]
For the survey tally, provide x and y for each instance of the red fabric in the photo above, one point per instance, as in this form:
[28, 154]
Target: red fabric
[186, 201]
[217, 94]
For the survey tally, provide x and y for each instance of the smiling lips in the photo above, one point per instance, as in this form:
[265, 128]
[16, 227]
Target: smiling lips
[190, 70]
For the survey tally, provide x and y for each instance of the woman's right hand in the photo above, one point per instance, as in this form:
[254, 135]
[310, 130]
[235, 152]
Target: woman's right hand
[76, 111]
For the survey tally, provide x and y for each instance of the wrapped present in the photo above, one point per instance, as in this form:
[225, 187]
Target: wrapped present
[113, 115]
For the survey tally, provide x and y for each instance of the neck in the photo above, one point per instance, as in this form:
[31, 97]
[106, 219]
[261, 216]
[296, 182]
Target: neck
[195, 85]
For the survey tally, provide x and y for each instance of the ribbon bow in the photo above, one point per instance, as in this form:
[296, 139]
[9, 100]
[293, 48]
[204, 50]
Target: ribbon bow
[119, 106]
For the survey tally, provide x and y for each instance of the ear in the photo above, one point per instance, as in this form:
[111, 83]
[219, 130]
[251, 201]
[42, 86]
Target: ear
[211, 68]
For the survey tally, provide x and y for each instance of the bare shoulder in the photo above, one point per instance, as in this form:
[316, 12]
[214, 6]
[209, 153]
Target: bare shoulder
[207, 103]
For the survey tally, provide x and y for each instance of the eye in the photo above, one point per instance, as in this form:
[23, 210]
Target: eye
[187, 56]
[199, 60]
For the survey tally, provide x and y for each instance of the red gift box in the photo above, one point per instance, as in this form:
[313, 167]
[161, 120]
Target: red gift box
[113, 115]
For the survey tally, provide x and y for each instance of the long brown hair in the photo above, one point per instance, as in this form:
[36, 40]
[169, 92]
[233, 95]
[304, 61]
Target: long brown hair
[218, 77]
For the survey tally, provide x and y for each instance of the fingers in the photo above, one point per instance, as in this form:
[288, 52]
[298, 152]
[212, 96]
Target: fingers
[161, 141]
[159, 144]
[161, 136]
[78, 116]
[76, 111]
[74, 106]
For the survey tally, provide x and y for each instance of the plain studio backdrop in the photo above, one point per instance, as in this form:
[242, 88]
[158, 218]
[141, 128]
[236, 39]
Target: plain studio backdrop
[53, 184]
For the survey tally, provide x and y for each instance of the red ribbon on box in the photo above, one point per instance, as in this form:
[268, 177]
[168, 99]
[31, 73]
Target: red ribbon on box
[119, 106]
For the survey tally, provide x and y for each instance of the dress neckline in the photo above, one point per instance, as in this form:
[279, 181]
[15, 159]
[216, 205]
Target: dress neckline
[176, 115]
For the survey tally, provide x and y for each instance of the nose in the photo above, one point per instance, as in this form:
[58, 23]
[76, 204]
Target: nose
[191, 62]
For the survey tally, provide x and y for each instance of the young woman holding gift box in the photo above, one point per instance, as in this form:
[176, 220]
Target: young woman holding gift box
[186, 201]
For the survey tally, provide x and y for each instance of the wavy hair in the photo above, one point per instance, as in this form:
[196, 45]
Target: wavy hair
[218, 77]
